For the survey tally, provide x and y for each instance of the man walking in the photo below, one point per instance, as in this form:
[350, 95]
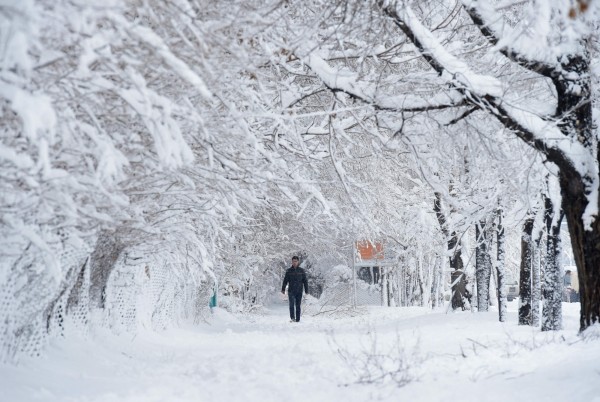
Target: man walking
[296, 277]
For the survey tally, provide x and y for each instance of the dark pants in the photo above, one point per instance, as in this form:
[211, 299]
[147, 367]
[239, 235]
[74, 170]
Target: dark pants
[295, 300]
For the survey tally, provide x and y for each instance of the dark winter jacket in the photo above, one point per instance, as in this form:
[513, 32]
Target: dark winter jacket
[296, 277]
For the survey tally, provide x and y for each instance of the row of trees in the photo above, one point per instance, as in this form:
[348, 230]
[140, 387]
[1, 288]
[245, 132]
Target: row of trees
[232, 135]
[131, 128]
[481, 70]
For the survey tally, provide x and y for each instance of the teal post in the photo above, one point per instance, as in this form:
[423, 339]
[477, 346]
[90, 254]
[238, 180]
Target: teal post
[213, 300]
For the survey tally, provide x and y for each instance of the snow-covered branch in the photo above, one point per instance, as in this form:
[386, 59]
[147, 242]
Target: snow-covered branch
[521, 47]
[486, 92]
[341, 80]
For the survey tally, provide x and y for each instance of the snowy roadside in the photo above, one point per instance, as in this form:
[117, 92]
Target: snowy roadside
[457, 356]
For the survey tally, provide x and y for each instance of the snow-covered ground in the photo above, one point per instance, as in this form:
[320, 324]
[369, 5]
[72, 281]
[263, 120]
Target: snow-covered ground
[444, 357]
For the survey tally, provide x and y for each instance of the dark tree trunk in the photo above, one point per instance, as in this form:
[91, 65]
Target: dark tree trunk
[456, 261]
[458, 277]
[388, 289]
[586, 248]
[483, 265]
[574, 112]
[552, 285]
[459, 290]
[459, 293]
[500, 268]
[525, 273]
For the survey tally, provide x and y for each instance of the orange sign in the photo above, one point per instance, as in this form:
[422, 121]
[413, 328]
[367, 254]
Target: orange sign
[369, 251]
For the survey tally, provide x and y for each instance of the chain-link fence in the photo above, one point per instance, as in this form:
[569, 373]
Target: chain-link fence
[140, 293]
[37, 293]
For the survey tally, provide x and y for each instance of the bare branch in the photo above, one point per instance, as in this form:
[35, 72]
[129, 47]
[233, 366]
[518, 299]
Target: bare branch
[463, 116]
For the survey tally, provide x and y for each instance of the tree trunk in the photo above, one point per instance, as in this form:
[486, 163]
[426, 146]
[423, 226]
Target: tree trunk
[437, 282]
[553, 284]
[500, 268]
[455, 258]
[102, 262]
[78, 289]
[459, 293]
[420, 280]
[586, 248]
[385, 301]
[574, 112]
[536, 286]
[483, 265]
[525, 273]
[459, 289]
[388, 289]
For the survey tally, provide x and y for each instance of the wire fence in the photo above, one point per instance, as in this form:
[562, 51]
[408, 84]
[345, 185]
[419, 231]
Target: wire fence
[152, 293]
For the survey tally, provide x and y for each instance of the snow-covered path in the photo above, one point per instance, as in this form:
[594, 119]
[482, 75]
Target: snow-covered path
[461, 356]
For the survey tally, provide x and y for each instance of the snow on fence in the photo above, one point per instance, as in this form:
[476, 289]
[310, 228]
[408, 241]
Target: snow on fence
[151, 293]
[32, 305]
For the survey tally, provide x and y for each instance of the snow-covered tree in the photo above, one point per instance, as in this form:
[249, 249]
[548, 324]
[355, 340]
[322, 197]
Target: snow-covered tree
[131, 128]
[565, 137]
[555, 120]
